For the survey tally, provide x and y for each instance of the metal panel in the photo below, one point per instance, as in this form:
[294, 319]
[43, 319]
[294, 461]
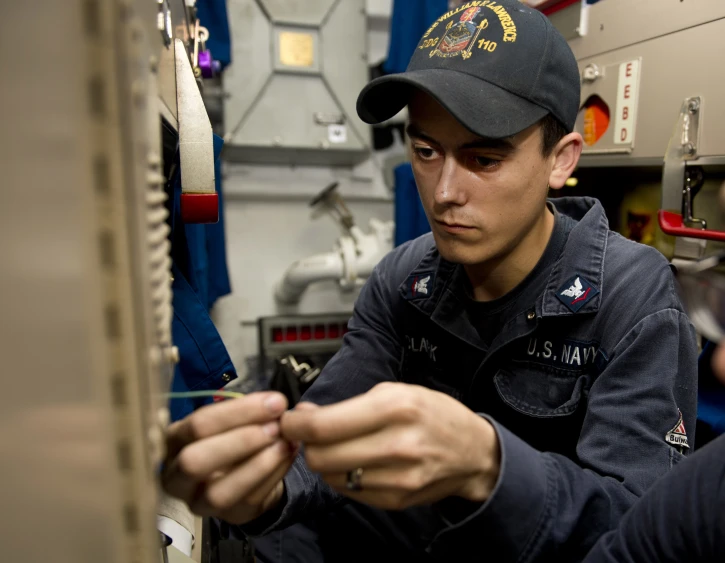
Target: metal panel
[83, 193]
[292, 88]
[618, 23]
[673, 67]
[304, 12]
[252, 61]
[277, 124]
[346, 73]
[617, 138]
[568, 21]
[57, 451]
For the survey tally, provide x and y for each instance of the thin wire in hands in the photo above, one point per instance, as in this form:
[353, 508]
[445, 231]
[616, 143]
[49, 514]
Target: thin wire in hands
[203, 394]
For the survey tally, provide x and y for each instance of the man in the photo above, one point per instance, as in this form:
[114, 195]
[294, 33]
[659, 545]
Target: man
[511, 383]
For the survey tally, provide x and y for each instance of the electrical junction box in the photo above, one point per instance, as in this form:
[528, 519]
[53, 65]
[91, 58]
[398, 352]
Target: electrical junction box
[297, 69]
[639, 61]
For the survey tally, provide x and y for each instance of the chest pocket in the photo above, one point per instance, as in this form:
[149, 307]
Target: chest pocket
[548, 377]
[541, 391]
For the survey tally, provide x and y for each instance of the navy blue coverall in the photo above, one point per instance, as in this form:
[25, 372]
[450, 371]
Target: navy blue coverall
[590, 383]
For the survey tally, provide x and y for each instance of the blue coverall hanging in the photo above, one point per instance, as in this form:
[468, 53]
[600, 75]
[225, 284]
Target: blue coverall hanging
[200, 277]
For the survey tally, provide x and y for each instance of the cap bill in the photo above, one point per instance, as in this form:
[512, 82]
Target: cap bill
[483, 108]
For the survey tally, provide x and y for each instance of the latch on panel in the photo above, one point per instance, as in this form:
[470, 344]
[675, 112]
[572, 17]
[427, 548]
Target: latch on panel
[329, 118]
[591, 72]
[680, 184]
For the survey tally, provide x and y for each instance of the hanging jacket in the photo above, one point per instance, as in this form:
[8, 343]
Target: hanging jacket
[410, 218]
[200, 277]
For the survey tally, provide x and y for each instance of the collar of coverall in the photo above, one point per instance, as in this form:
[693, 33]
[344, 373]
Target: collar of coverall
[583, 256]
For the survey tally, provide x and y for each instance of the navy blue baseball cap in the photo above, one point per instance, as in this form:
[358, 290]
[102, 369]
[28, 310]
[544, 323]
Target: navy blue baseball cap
[497, 66]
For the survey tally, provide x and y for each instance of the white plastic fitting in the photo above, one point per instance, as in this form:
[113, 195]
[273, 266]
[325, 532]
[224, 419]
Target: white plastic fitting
[350, 263]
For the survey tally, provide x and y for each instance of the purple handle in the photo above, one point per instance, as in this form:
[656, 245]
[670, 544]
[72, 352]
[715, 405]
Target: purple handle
[206, 64]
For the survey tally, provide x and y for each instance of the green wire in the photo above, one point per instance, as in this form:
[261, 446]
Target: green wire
[198, 394]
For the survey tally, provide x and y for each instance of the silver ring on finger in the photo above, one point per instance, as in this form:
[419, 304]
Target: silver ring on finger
[354, 479]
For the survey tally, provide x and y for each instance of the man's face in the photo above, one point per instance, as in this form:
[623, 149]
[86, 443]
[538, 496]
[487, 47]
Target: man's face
[482, 197]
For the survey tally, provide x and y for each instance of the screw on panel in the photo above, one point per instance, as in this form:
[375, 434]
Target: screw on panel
[92, 17]
[97, 97]
[113, 322]
[125, 9]
[124, 456]
[138, 92]
[101, 175]
[163, 417]
[693, 106]
[172, 355]
[118, 390]
[154, 159]
[591, 73]
[155, 356]
[688, 149]
[107, 249]
[130, 518]
[136, 32]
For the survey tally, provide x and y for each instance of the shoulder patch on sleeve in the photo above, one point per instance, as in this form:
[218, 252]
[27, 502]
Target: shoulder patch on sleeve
[678, 436]
[419, 286]
[576, 293]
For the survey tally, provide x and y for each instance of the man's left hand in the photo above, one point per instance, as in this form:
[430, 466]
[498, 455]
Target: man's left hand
[414, 445]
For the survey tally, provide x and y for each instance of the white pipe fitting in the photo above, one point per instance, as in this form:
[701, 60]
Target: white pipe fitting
[349, 264]
[304, 272]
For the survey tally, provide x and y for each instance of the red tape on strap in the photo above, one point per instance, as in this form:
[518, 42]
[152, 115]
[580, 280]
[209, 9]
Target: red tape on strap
[200, 208]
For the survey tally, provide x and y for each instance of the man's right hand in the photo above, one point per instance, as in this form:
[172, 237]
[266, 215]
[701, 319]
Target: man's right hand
[227, 460]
